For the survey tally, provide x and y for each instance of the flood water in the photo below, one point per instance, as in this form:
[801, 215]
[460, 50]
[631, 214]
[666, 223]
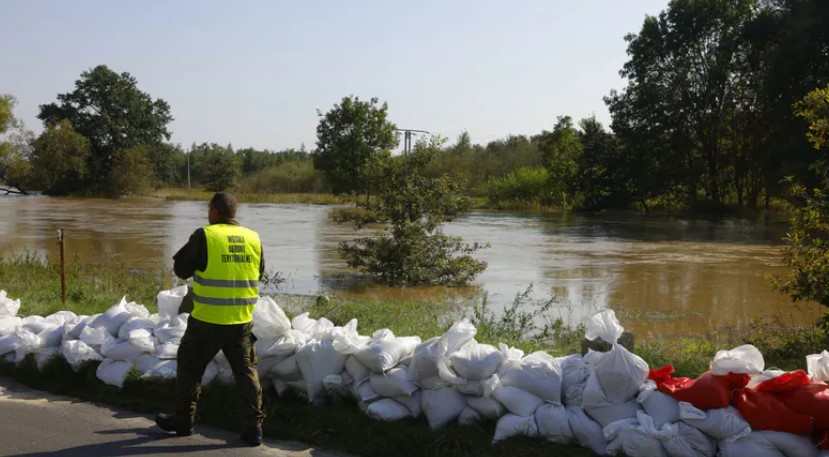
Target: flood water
[664, 275]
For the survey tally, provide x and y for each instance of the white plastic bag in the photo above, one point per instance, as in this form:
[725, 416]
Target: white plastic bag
[8, 307]
[688, 441]
[412, 402]
[573, 379]
[475, 361]
[750, 445]
[469, 417]
[134, 324]
[287, 369]
[364, 393]
[172, 330]
[453, 340]
[511, 425]
[8, 343]
[269, 321]
[554, 424]
[52, 335]
[169, 301]
[816, 364]
[789, 444]
[516, 400]
[112, 319]
[45, 355]
[537, 373]
[721, 424]
[338, 387]
[393, 383]
[76, 352]
[62, 318]
[384, 351]
[424, 359]
[634, 439]
[488, 408]
[663, 408]
[741, 359]
[8, 324]
[34, 324]
[165, 351]
[387, 410]
[357, 370]
[442, 406]
[618, 371]
[607, 413]
[317, 359]
[113, 372]
[124, 351]
[347, 340]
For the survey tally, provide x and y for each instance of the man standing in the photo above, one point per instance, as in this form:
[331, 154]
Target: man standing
[226, 263]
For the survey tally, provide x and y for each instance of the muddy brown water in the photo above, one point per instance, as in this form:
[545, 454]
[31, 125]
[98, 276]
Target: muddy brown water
[664, 275]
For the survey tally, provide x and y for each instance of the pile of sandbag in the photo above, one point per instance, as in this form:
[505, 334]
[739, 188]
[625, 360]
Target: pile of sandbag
[609, 402]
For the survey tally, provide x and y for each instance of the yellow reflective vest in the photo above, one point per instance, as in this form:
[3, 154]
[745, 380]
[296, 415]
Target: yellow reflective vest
[226, 292]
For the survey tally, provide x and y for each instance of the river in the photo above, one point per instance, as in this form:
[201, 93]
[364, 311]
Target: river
[662, 275]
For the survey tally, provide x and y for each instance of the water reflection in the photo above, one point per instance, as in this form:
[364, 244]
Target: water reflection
[666, 275]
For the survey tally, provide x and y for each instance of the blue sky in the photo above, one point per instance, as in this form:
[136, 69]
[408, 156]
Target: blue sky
[254, 73]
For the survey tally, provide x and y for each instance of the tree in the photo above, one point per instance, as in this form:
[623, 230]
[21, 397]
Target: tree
[412, 250]
[602, 181]
[59, 160]
[132, 172]
[215, 167]
[15, 148]
[561, 150]
[168, 161]
[350, 137]
[113, 114]
[807, 252]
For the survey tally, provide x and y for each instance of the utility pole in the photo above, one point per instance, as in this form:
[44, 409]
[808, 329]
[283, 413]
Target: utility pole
[188, 170]
[407, 138]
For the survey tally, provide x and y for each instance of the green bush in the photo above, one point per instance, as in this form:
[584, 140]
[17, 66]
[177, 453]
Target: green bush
[287, 177]
[528, 184]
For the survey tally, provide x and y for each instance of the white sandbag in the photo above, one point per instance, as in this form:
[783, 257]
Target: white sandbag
[347, 340]
[789, 444]
[393, 383]
[113, 372]
[628, 436]
[95, 337]
[338, 386]
[8, 307]
[124, 351]
[76, 352]
[269, 321]
[537, 373]
[315, 329]
[34, 324]
[286, 369]
[364, 393]
[442, 406]
[607, 413]
[169, 301]
[387, 410]
[750, 445]
[741, 359]
[281, 347]
[720, 424]
[144, 342]
[687, 441]
[52, 335]
[767, 375]
[357, 370]
[452, 341]
[27, 343]
[488, 408]
[164, 351]
[573, 379]
[298, 387]
[62, 318]
[434, 383]
[317, 359]
[172, 330]
[8, 324]
[384, 351]
[412, 402]
[817, 365]
[73, 330]
[619, 372]
[475, 361]
[511, 425]
[588, 432]
[134, 323]
[554, 424]
[469, 417]
[46, 355]
[112, 319]
[516, 400]
[151, 366]
[663, 408]
[424, 359]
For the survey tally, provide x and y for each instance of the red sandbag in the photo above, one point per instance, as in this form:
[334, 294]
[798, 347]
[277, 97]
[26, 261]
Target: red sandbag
[811, 400]
[764, 411]
[708, 391]
[786, 382]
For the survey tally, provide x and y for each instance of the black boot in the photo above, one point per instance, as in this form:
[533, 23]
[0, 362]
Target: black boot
[253, 435]
[173, 423]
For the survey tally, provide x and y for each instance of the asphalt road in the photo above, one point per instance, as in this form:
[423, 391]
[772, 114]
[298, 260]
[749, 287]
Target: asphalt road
[34, 423]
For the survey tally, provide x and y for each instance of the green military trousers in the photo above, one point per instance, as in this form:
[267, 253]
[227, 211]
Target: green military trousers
[199, 345]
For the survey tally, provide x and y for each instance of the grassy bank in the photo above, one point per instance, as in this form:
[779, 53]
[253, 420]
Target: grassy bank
[96, 287]
[169, 193]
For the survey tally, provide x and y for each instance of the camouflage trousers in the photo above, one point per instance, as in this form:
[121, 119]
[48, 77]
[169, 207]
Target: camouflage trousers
[199, 345]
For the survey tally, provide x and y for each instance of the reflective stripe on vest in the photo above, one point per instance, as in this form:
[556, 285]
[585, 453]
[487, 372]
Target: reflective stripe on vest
[227, 290]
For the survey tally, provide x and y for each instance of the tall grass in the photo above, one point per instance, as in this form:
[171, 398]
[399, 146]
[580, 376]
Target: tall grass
[249, 197]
